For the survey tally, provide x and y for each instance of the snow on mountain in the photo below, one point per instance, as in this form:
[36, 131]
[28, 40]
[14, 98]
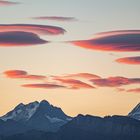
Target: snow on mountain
[40, 116]
[36, 111]
[135, 113]
[54, 119]
[21, 112]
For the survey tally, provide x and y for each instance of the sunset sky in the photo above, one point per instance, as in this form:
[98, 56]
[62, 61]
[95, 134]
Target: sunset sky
[80, 55]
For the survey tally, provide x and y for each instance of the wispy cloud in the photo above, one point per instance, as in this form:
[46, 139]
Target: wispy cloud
[7, 3]
[44, 86]
[19, 38]
[56, 18]
[116, 41]
[133, 90]
[115, 81]
[136, 90]
[20, 74]
[37, 29]
[129, 60]
[87, 76]
[74, 84]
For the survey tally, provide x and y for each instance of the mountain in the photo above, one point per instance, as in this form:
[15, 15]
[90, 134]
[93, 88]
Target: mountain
[89, 128]
[11, 127]
[30, 135]
[135, 113]
[43, 121]
[107, 128]
[39, 116]
[21, 112]
[48, 117]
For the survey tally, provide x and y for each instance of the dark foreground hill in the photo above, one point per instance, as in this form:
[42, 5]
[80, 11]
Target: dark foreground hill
[88, 128]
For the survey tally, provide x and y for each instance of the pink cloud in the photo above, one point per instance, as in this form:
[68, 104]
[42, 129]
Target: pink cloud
[115, 81]
[7, 3]
[55, 18]
[87, 76]
[74, 84]
[15, 73]
[20, 74]
[116, 41]
[44, 86]
[136, 90]
[37, 29]
[129, 60]
[19, 38]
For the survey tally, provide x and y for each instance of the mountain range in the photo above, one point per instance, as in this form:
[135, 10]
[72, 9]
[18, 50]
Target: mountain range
[43, 121]
[39, 116]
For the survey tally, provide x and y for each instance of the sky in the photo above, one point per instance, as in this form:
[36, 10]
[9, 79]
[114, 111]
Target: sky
[82, 56]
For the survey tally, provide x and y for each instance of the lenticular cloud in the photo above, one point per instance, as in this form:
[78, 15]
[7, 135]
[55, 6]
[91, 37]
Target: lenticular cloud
[116, 41]
[7, 3]
[19, 38]
[55, 18]
[129, 60]
[37, 29]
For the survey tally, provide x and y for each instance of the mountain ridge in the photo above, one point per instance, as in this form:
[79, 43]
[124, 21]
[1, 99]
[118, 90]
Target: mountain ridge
[36, 115]
[41, 121]
[87, 127]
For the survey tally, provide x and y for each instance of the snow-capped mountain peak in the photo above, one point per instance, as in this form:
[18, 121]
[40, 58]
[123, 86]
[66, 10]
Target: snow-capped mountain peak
[21, 112]
[37, 115]
[35, 111]
[135, 113]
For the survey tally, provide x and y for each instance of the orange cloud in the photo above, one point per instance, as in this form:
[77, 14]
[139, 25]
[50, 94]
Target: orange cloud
[19, 38]
[129, 60]
[20, 74]
[87, 76]
[15, 73]
[137, 90]
[74, 84]
[55, 18]
[7, 3]
[115, 81]
[35, 77]
[45, 86]
[37, 29]
[117, 41]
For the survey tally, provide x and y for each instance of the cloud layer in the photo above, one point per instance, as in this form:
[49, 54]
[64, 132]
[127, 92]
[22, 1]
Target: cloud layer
[129, 60]
[7, 3]
[117, 41]
[74, 81]
[55, 18]
[19, 38]
[37, 29]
